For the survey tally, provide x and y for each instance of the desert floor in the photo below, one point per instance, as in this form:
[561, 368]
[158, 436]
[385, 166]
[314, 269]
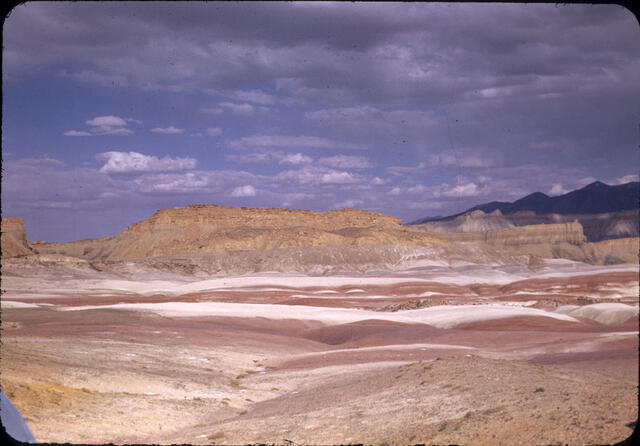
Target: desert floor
[467, 354]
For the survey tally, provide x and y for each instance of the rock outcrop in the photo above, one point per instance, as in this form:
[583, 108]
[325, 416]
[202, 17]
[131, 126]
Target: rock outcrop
[518, 236]
[596, 227]
[14, 238]
[474, 221]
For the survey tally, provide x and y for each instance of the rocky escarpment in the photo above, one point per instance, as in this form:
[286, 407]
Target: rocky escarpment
[596, 227]
[518, 236]
[201, 229]
[474, 221]
[14, 238]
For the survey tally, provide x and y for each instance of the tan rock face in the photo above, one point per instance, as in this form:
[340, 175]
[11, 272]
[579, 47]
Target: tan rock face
[201, 229]
[14, 238]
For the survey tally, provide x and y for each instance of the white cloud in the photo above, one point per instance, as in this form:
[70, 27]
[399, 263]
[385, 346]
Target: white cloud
[318, 175]
[419, 189]
[346, 162]
[213, 131]
[626, 179]
[296, 159]
[185, 183]
[469, 189]
[341, 113]
[395, 191]
[557, 189]
[338, 178]
[171, 130]
[133, 162]
[252, 158]
[255, 96]
[109, 125]
[449, 160]
[377, 181]
[290, 142]
[76, 133]
[244, 191]
[109, 121]
[242, 109]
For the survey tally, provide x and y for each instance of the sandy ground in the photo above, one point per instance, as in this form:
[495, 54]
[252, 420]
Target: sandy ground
[470, 355]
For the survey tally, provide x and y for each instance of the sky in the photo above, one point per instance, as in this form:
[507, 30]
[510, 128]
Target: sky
[112, 110]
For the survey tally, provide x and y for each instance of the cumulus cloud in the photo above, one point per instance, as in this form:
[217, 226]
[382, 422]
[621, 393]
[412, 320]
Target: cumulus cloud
[188, 182]
[346, 162]
[468, 189]
[290, 142]
[338, 178]
[244, 191]
[450, 160]
[242, 109]
[377, 181]
[319, 176]
[109, 125]
[626, 179]
[133, 163]
[171, 130]
[76, 133]
[105, 125]
[557, 189]
[255, 96]
[296, 159]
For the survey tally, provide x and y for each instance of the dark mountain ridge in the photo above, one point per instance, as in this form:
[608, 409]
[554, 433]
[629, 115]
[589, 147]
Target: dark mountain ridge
[594, 198]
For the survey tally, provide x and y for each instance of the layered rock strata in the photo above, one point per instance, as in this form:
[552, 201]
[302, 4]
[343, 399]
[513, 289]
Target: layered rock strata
[14, 238]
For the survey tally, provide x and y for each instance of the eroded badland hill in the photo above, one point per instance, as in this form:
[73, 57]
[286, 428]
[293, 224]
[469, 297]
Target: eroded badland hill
[210, 324]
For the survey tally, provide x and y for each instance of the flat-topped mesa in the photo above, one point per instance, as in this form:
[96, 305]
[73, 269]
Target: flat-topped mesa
[14, 237]
[226, 217]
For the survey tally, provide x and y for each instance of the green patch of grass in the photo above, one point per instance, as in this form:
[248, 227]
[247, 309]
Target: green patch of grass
[539, 389]
[468, 414]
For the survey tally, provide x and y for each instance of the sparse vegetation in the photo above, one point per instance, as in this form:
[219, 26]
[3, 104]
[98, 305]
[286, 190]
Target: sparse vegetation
[539, 389]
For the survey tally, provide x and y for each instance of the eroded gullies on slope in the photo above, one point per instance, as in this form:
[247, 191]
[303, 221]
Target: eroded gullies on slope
[225, 358]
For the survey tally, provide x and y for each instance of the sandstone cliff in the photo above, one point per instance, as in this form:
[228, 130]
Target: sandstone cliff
[14, 238]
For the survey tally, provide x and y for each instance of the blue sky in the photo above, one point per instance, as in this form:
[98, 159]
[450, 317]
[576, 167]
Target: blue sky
[113, 110]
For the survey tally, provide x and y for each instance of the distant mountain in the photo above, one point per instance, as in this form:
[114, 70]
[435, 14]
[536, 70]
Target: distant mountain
[594, 198]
